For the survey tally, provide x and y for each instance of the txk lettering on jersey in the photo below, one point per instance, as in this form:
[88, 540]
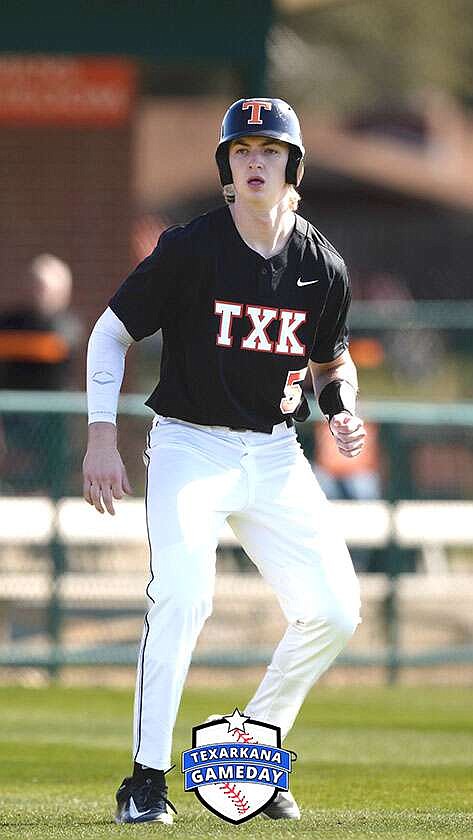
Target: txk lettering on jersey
[260, 317]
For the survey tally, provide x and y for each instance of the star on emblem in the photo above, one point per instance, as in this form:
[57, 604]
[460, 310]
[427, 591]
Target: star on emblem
[237, 721]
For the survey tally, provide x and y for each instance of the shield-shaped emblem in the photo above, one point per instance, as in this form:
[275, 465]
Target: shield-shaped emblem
[236, 766]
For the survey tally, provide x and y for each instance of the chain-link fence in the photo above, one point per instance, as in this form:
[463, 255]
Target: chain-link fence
[72, 582]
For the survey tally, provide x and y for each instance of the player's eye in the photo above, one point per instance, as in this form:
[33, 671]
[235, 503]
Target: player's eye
[271, 151]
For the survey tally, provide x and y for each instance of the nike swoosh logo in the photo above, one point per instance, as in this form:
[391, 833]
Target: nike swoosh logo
[134, 813]
[302, 282]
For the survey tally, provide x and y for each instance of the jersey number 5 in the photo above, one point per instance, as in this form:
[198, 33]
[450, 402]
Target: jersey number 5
[292, 391]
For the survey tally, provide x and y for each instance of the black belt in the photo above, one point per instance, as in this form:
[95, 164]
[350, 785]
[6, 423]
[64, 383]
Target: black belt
[288, 421]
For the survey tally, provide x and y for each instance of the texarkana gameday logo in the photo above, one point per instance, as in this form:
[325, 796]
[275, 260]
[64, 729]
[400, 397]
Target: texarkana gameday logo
[236, 766]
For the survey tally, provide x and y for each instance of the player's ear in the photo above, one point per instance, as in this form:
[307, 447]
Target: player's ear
[229, 193]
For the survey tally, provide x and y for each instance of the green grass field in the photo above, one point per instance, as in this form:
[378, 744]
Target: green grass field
[372, 763]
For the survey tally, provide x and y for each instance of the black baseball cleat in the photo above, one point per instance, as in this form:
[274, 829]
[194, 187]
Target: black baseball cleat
[141, 800]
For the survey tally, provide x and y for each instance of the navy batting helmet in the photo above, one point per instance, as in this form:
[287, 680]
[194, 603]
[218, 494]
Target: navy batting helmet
[266, 118]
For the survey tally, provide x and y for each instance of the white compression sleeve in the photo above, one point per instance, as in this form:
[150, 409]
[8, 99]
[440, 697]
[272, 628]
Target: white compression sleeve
[107, 348]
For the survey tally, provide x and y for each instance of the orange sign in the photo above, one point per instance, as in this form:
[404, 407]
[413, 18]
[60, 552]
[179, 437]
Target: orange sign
[37, 90]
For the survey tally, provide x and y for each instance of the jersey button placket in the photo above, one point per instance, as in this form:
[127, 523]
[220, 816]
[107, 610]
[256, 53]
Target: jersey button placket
[264, 277]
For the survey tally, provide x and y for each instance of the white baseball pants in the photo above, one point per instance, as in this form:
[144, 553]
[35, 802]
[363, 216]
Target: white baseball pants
[198, 477]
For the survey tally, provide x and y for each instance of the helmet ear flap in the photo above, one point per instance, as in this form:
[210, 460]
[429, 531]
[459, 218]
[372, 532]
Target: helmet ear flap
[223, 164]
[294, 167]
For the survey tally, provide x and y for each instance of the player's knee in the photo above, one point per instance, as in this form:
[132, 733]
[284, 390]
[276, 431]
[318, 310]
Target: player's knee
[197, 606]
[344, 613]
[337, 614]
[181, 606]
[183, 594]
[338, 620]
[343, 620]
[191, 604]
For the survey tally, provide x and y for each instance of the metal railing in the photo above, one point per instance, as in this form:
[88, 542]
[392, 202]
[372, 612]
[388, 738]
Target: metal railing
[392, 415]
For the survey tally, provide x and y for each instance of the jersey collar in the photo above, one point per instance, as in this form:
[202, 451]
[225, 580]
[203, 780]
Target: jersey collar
[299, 233]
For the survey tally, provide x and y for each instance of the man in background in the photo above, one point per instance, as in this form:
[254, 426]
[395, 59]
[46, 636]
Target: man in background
[39, 337]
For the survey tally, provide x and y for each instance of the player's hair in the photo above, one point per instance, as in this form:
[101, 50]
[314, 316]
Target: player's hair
[293, 196]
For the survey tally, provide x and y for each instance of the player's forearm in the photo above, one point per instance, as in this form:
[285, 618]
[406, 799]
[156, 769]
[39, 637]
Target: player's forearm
[341, 370]
[335, 385]
[108, 344]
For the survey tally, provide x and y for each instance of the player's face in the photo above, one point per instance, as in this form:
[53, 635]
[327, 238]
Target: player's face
[258, 167]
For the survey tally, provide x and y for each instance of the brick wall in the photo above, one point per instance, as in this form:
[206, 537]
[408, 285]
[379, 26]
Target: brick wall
[66, 191]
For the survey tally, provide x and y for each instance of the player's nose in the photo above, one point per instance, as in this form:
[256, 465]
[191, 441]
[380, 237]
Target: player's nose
[255, 160]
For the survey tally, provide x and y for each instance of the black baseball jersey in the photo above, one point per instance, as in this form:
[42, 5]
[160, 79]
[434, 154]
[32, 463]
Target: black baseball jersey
[238, 329]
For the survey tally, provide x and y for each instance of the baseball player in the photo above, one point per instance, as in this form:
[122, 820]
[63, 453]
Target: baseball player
[248, 297]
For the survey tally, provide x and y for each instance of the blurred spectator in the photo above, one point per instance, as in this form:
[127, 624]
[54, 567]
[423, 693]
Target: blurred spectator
[412, 353]
[384, 286]
[39, 336]
[344, 478]
[38, 340]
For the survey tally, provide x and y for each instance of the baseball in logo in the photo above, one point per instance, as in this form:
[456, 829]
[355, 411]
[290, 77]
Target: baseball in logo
[236, 766]
[256, 106]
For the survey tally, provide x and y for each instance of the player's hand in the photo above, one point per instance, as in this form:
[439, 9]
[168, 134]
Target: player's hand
[349, 433]
[105, 478]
